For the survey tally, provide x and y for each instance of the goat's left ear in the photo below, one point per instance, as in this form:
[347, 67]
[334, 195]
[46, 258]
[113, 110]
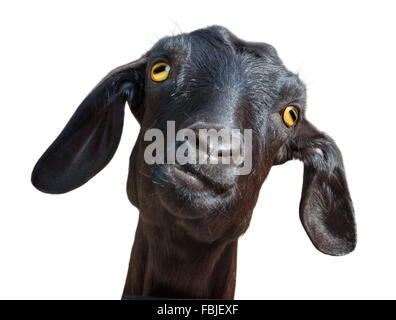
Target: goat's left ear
[91, 137]
[326, 209]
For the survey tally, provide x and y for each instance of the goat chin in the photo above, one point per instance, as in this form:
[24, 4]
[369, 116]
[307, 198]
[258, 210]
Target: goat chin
[192, 194]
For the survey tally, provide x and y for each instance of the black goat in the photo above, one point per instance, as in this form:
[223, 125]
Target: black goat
[191, 214]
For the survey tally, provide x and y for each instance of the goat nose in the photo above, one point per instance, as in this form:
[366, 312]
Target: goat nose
[217, 143]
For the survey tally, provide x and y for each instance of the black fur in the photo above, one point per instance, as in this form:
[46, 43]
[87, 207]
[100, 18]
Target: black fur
[186, 240]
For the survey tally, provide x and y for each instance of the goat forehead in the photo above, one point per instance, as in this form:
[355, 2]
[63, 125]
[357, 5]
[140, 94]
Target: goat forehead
[208, 58]
[211, 50]
[238, 76]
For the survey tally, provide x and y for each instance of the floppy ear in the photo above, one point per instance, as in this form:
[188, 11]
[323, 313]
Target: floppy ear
[326, 209]
[91, 137]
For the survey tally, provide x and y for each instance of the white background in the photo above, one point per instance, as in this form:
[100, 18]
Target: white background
[77, 245]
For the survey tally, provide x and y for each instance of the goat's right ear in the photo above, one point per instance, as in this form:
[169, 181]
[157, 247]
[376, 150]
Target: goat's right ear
[91, 137]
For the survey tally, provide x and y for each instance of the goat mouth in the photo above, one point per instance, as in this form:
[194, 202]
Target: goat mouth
[195, 178]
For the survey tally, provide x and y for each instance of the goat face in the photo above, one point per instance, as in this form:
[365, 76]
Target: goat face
[207, 79]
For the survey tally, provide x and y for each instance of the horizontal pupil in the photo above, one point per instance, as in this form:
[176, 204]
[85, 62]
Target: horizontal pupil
[159, 69]
[293, 115]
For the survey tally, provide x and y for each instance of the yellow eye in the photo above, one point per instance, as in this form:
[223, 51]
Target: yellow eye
[160, 71]
[290, 115]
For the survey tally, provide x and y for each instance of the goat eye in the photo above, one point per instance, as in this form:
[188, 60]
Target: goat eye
[290, 116]
[160, 72]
